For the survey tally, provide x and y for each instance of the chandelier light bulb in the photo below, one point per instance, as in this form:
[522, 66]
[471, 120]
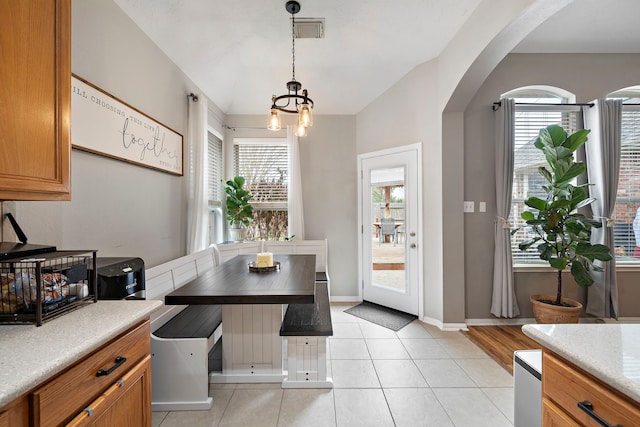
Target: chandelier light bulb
[274, 120]
[301, 129]
[305, 115]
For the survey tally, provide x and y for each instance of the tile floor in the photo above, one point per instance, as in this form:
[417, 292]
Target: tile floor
[419, 376]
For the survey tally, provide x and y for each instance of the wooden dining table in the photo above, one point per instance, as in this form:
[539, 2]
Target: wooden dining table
[253, 305]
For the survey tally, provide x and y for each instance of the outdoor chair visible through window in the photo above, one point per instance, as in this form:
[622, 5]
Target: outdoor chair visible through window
[388, 228]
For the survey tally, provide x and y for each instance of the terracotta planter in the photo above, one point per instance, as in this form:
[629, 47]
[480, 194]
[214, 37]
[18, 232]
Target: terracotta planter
[549, 313]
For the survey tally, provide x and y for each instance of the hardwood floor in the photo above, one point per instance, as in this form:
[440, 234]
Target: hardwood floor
[500, 342]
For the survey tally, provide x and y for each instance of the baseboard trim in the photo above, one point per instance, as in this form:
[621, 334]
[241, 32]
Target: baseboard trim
[498, 322]
[354, 300]
[445, 326]
[621, 320]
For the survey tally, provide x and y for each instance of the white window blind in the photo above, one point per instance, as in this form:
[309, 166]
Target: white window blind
[527, 182]
[628, 195]
[215, 168]
[266, 172]
[214, 183]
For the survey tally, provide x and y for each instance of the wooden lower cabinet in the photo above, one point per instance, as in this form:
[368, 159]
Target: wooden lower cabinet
[572, 397]
[125, 403]
[110, 387]
[552, 416]
[15, 414]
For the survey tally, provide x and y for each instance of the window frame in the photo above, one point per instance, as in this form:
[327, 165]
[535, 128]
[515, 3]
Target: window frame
[216, 219]
[630, 99]
[266, 206]
[545, 97]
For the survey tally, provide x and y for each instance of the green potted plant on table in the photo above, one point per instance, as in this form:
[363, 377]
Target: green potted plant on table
[239, 209]
[562, 235]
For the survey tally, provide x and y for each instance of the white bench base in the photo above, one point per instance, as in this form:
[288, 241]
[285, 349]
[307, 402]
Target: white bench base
[308, 384]
[307, 363]
[219, 378]
[181, 367]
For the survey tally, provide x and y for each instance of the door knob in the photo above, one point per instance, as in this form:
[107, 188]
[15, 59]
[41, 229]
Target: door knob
[412, 234]
[413, 245]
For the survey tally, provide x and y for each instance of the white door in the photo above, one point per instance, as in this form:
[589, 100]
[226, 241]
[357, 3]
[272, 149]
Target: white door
[390, 208]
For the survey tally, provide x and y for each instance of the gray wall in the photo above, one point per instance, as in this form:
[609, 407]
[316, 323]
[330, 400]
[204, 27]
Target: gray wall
[329, 185]
[588, 77]
[119, 208]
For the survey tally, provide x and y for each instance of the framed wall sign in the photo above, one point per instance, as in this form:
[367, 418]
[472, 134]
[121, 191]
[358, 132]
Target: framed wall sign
[103, 124]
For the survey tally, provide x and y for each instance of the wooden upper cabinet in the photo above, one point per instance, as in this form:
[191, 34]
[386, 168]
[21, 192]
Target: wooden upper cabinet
[35, 100]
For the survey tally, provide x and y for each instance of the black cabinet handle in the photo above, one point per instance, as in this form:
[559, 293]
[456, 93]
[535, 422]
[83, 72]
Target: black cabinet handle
[587, 407]
[119, 361]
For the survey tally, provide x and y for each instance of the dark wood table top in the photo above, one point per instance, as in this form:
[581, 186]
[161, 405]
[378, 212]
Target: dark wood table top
[233, 283]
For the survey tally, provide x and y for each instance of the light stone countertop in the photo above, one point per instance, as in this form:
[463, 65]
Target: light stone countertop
[29, 354]
[609, 352]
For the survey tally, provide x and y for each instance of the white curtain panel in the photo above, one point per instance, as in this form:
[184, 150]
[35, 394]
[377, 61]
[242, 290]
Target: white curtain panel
[197, 172]
[603, 166]
[296, 213]
[503, 301]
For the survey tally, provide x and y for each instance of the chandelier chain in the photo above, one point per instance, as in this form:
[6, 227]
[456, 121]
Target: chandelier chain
[293, 46]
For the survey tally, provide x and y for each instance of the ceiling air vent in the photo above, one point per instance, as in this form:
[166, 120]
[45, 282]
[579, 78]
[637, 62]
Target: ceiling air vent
[309, 28]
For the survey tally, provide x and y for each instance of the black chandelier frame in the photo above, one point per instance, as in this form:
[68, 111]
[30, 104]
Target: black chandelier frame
[293, 86]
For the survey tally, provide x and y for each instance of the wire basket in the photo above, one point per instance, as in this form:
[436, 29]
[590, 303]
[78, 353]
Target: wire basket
[34, 290]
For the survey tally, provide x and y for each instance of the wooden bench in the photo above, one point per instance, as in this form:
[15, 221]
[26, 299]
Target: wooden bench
[306, 328]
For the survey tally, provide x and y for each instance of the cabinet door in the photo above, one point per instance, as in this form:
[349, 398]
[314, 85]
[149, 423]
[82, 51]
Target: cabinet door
[126, 403]
[15, 414]
[35, 100]
[552, 416]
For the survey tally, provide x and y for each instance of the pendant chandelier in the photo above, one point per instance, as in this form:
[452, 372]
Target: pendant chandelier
[294, 101]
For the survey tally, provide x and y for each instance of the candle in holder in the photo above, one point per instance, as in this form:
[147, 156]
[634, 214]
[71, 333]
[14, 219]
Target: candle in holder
[264, 259]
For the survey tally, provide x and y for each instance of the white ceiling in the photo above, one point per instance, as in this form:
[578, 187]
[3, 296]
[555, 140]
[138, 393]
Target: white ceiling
[239, 52]
[588, 26]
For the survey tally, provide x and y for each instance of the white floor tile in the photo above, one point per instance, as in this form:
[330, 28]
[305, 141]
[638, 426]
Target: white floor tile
[346, 330]
[436, 332]
[486, 372]
[412, 407]
[470, 407]
[414, 330]
[371, 330]
[461, 348]
[157, 418]
[444, 373]
[424, 349]
[307, 408]
[200, 418]
[503, 399]
[354, 374]
[362, 408]
[398, 373]
[349, 348]
[252, 408]
[386, 349]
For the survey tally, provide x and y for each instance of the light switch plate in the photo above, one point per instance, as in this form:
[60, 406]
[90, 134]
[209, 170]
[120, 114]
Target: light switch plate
[482, 206]
[469, 206]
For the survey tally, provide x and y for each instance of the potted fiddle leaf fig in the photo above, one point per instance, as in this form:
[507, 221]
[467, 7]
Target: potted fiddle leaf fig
[239, 209]
[562, 235]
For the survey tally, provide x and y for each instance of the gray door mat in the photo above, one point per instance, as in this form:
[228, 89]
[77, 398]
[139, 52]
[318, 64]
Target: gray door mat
[381, 315]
